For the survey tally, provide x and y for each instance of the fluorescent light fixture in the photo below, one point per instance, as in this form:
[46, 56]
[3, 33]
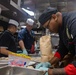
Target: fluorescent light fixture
[23, 26]
[31, 13]
[28, 8]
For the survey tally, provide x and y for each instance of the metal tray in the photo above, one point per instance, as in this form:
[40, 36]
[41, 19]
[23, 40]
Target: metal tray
[4, 61]
[13, 70]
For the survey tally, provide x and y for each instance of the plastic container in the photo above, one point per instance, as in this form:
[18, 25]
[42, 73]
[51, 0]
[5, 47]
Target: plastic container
[19, 59]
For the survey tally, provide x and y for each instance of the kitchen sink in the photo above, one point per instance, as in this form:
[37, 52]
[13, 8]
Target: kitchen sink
[14, 70]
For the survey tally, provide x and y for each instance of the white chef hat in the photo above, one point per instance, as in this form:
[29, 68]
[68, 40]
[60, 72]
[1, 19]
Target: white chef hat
[30, 21]
[11, 21]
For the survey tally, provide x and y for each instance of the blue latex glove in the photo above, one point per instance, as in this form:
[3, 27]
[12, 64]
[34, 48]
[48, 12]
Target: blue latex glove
[46, 73]
[46, 64]
[43, 69]
[39, 65]
[43, 64]
[25, 51]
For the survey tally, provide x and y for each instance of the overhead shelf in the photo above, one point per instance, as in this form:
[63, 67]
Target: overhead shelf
[14, 11]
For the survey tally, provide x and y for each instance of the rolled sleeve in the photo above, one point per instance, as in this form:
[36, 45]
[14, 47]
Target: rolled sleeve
[20, 35]
[57, 54]
[70, 69]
